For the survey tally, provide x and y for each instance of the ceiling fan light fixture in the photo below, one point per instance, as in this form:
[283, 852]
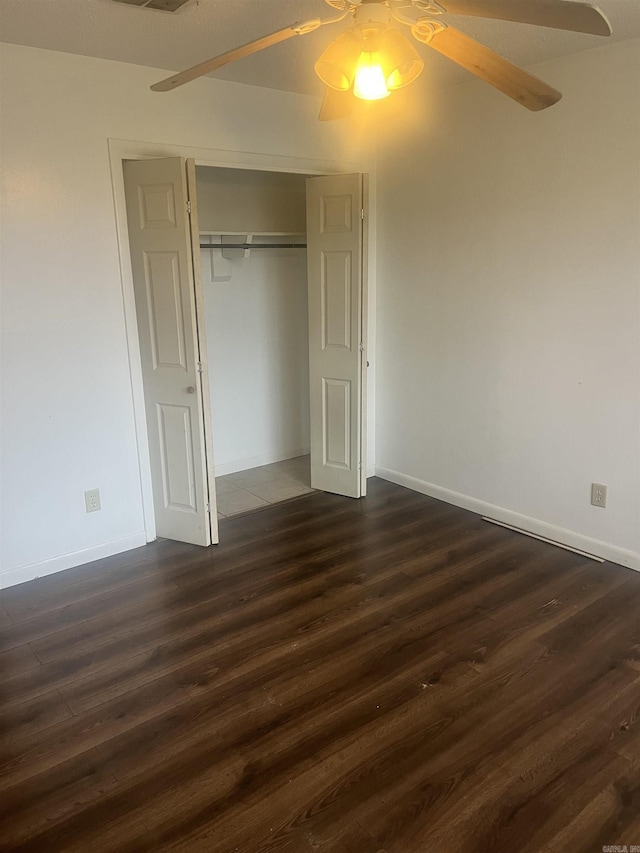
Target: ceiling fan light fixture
[373, 58]
[401, 63]
[337, 65]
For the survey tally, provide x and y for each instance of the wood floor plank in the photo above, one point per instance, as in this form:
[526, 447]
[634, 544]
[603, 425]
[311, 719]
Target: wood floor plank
[17, 661]
[223, 647]
[390, 675]
[33, 716]
[43, 750]
[319, 768]
[79, 612]
[608, 627]
[225, 652]
[404, 692]
[54, 592]
[622, 724]
[610, 818]
[206, 582]
[38, 804]
[464, 793]
[202, 625]
[5, 619]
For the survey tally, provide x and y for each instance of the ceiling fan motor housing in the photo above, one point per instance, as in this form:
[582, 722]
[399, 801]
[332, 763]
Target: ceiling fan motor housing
[157, 5]
[371, 16]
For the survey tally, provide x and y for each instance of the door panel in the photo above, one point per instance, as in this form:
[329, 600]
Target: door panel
[166, 315]
[176, 457]
[165, 291]
[334, 257]
[336, 410]
[336, 300]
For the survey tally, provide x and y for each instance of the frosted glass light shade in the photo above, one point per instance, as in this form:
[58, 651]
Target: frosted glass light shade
[337, 65]
[369, 83]
[401, 63]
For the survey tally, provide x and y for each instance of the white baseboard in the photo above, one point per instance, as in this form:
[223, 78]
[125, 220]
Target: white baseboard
[570, 538]
[371, 471]
[257, 461]
[69, 561]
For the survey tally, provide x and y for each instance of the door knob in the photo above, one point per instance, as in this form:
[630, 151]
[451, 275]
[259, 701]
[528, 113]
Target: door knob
[191, 390]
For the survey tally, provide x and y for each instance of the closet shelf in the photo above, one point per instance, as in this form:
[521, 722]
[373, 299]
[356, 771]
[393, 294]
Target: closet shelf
[226, 233]
[227, 245]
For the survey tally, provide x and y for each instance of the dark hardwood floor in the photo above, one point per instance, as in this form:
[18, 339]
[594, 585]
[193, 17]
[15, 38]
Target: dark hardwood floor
[391, 674]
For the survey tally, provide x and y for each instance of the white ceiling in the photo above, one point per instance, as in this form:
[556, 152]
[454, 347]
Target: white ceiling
[204, 28]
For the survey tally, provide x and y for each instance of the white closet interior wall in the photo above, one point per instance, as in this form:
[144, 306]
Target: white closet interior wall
[256, 323]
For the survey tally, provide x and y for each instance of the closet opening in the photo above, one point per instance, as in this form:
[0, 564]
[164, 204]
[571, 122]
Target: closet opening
[249, 291]
[257, 333]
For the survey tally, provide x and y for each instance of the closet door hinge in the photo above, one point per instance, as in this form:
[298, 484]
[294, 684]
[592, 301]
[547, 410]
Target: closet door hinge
[362, 213]
[361, 346]
[199, 367]
[189, 208]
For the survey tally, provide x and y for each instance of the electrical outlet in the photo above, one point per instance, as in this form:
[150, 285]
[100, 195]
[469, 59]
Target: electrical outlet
[598, 495]
[92, 500]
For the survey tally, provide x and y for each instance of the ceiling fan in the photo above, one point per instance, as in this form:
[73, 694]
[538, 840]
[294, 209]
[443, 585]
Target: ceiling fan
[373, 58]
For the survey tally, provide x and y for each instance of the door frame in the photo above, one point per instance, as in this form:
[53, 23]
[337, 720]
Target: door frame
[125, 149]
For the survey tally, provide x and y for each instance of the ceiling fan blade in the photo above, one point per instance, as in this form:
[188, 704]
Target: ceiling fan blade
[532, 93]
[560, 14]
[336, 105]
[232, 55]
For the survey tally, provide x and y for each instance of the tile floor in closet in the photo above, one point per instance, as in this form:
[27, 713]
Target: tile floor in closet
[268, 484]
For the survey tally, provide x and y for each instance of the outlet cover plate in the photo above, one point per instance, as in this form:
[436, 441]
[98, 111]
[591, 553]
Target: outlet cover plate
[598, 495]
[92, 500]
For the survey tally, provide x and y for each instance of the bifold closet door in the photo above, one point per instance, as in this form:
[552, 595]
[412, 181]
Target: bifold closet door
[159, 200]
[335, 215]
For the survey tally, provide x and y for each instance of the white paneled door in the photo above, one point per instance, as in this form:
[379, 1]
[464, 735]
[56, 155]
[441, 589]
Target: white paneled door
[161, 213]
[335, 215]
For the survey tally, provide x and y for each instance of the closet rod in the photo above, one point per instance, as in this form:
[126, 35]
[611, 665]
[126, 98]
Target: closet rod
[253, 245]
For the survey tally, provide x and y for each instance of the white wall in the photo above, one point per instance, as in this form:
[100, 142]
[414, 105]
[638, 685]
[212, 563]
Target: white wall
[509, 297]
[256, 323]
[258, 353]
[240, 199]
[66, 390]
